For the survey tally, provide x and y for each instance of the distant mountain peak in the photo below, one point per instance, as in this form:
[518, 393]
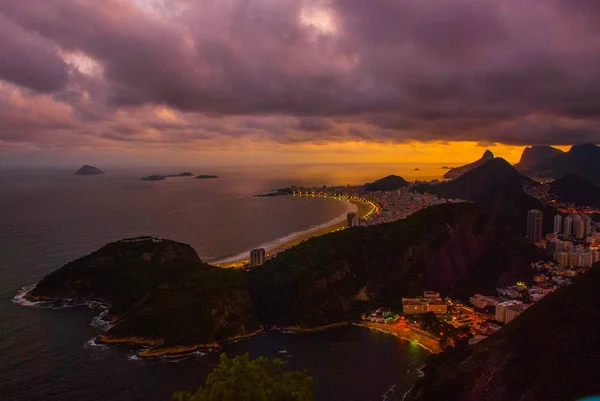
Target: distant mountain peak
[458, 171]
[582, 159]
[496, 185]
[535, 155]
[584, 147]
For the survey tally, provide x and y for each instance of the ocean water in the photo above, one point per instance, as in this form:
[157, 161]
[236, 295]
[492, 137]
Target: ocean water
[48, 218]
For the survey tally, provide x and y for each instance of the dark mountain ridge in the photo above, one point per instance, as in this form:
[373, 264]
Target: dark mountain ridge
[575, 189]
[583, 160]
[550, 352]
[497, 186]
[536, 155]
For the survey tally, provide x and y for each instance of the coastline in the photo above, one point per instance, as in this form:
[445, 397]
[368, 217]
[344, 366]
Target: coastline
[299, 329]
[405, 333]
[274, 247]
[153, 348]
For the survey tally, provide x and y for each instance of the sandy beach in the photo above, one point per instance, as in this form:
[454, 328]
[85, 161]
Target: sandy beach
[406, 333]
[361, 209]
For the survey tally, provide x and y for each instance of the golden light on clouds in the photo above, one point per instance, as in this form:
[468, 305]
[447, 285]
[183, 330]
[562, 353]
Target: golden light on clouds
[166, 113]
[319, 18]
[412, 152]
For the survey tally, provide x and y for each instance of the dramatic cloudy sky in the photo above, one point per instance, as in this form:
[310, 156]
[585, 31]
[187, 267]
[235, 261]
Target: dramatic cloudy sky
[295, 80]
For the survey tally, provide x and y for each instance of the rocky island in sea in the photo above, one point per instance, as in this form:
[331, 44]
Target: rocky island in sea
[154, 178]
[89, 170]
[163, 297]
[161, 177]
[206, 176]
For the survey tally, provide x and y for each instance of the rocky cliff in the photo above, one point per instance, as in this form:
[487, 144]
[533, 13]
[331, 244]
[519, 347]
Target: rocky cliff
[550, 352]
[458, 171]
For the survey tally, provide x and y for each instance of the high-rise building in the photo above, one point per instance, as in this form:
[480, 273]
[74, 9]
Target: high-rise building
[587, 222]
[557, 224]
[534, 226]
[257, 257]
[578, 227]
[568, 225]
[351, 216]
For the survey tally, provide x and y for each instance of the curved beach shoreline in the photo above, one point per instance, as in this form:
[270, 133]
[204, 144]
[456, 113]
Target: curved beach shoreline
[405, 333]
[281, 244]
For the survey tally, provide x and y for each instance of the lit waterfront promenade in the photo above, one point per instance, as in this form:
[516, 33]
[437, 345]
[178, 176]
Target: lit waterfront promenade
[407, 333]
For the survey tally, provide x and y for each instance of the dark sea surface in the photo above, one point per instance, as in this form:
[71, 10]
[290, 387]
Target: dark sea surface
[48, 218]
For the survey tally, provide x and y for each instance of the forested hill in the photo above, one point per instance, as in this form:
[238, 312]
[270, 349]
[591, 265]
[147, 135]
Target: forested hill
[158, 289]
[457, 249]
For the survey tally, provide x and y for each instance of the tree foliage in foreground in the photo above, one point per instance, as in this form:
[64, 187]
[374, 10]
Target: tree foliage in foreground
[243, 379]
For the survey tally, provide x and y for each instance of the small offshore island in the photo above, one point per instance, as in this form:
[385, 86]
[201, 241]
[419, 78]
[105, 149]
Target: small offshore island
[89, 170]
[161, 177]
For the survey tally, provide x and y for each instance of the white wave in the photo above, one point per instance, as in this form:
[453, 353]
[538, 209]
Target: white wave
[20, 297]
[91, 343]
[407, 393]
[389, 393]
[134, 357]
[99, 322]
[269, 246]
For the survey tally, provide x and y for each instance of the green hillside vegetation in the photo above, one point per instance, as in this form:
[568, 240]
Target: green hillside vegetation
[162, 290]
[550, 352]
[157, 290]
[241, 378]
